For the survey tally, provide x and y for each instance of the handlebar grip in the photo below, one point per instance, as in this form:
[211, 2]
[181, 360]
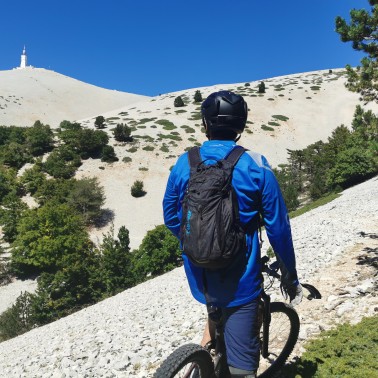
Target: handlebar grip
[314, 292]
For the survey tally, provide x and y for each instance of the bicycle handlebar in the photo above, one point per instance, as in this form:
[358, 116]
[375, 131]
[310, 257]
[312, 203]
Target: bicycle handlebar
[272, 269]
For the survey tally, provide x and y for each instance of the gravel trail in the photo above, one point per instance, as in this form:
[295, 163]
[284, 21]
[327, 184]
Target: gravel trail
[129, 334]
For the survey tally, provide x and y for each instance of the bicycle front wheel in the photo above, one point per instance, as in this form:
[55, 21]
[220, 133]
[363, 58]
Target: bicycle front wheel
[188, 361]
[283, 334]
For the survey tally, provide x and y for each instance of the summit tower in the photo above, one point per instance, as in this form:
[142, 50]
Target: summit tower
[24, 59]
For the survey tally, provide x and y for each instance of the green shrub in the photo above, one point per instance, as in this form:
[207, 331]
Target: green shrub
[46, 237]
[116, 261]
[159, 253]
[261, 87]
[100, 122]
[196, 116]
[39, 139]
[132, 149]
[108, 154]
[178, 102]
[348, 351]
[145, 120]
[14, 155]
[62, 162]
[17, 319]
[122, 133]
[33, 178]
[273, 123]
[148, 148]
[267, 128]
[137, 189]
[197, 96]
[167, 125]
[280, 117]
[164, 148]
[86, 142]
[127, 159]
[87, 197]
[173, 137]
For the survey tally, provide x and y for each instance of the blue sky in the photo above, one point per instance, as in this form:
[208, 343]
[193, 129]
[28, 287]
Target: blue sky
[152, 47]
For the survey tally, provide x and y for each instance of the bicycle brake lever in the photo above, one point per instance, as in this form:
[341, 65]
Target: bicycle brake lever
[314, 292]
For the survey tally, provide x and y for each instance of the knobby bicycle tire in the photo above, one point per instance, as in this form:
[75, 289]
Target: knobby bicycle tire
[187, 356]
[283, 335]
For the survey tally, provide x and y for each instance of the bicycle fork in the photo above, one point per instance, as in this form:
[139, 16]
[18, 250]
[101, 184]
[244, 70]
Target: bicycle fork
[264, 322]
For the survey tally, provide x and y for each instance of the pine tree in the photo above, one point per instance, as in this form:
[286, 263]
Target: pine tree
[362, 31]
[100, 122]
[178, 102]
[262, 87]
[198, 96]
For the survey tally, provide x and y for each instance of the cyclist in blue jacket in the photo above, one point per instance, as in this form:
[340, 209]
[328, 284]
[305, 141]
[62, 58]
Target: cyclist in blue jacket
[236, 289]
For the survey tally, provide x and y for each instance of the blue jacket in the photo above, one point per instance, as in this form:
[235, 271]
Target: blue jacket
[257, 189]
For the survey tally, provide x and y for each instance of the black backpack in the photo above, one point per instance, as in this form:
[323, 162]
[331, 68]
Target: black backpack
[211, 234]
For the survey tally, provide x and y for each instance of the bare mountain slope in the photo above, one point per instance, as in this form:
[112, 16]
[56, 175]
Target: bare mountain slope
[295, 111]
[31, 94]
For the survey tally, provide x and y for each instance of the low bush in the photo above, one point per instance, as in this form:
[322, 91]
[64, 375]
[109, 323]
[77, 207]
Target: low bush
[280, 117]
[347, 351]
[167, 125]
[148, 148]
[137, 189]
[108, 154]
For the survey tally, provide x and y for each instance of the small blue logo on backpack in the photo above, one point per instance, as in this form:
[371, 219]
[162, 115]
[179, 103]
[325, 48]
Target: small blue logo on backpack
[187, 227]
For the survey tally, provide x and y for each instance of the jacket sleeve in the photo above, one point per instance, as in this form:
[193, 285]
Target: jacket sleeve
[277, 225]
[171, 205]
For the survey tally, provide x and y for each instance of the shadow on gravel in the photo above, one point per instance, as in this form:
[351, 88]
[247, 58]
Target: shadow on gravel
[298, 368]
[367, 235]
[105, 218]
[370, 258]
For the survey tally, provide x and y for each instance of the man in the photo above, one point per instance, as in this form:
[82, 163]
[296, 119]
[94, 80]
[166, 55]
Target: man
[236, 289]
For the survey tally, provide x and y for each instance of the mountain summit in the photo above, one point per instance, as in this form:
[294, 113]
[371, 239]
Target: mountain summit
[31, 94]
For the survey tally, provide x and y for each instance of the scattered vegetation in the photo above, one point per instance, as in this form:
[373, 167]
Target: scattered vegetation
[167, 125]
[280, 117]
[148, 148]
[271, 123]
[267, 128]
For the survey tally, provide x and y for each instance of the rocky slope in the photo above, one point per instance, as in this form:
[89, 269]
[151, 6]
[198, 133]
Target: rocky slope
[31, 94]
[130, 334]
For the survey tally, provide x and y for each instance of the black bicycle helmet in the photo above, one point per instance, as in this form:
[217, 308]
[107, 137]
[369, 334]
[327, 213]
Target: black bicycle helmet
[224, 110]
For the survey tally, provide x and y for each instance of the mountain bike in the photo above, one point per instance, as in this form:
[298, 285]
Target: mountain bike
[279, 328]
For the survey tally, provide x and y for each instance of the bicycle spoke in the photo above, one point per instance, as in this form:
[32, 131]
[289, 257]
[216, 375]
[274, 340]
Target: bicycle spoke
[189, 371]
[283, 333]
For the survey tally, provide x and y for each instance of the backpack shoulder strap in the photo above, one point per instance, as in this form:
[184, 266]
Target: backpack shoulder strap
[234, 155]
[194, 157]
